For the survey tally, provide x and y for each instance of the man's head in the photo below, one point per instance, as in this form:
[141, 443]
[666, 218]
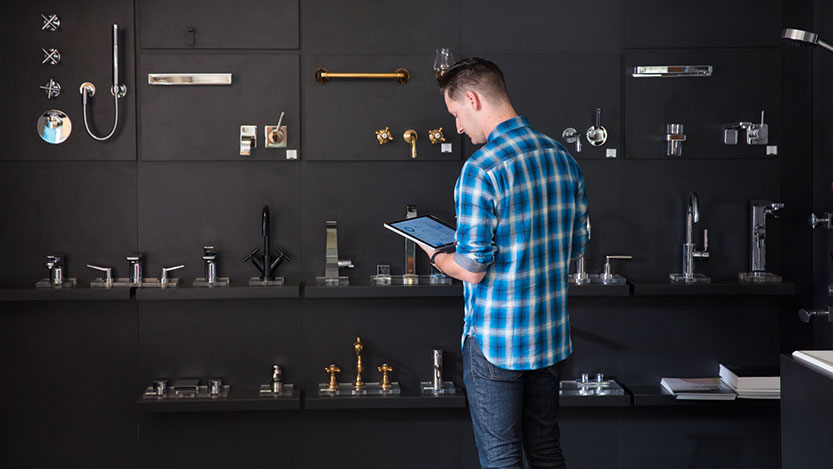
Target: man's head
[475, 94]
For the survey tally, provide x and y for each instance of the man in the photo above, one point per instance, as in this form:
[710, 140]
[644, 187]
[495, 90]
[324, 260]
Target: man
[521, 217]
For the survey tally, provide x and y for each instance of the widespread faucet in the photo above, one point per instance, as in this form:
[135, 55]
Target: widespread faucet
[758, 274]
[690, 252]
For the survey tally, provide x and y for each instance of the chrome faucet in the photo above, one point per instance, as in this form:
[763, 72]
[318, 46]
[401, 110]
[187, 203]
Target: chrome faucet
[690, 252]
[135, 269]
[581, 277]
[332, 263]
[210, 258]
[758, 274]
[55, 264]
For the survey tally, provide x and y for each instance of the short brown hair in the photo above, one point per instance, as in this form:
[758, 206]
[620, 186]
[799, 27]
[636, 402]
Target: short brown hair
[476, 74]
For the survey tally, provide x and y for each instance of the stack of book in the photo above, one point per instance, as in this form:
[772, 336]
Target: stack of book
[709, 389]
[752, 383]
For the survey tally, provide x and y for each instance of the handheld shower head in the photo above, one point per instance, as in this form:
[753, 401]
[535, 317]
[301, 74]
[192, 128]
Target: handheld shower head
[799, 37]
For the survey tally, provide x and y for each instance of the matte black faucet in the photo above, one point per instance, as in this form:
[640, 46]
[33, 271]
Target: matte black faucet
[264, 262]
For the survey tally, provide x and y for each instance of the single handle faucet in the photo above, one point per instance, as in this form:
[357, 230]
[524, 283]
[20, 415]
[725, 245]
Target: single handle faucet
[108, 274]
[608, 276]
[136, 269]
[690, 251]
[210, 257]
[410, 137]
[55, 264]
[163, 279]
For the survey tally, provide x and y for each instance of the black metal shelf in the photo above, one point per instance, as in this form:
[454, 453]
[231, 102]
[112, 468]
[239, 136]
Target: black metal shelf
[217, 293]
[717, 288]
[595, 401]
[63, 294]
[654, 395]
[596, 289]
[237, 401]
[366, 290]
[316, 402]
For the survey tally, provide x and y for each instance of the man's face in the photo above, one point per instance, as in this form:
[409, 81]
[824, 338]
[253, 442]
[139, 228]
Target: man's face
[466, 118]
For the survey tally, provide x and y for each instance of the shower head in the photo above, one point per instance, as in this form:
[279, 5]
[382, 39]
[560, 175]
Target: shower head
[798, 37]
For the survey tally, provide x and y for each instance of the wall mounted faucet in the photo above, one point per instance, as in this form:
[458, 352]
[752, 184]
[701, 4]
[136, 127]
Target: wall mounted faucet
[597, 134]
[570, 135]
[756, 134]
[690, 252]
[410, 137]
[758, 273]
[265, 263]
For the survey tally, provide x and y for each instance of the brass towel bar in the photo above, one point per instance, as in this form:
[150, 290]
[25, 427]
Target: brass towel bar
[401, 75]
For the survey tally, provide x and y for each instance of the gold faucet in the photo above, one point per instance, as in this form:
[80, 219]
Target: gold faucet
[384, 136]
[332, 370]
[358, 347]
[385, 383]
[411, 138]
[436, 136]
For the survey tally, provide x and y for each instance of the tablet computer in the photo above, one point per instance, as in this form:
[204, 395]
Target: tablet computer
[426, 230]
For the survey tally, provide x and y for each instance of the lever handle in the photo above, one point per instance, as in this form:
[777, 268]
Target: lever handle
[598, 117]
[706, 240]
[251, 254]
[165, 270]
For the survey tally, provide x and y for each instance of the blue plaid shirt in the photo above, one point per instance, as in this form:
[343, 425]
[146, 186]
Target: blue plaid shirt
[521, 218]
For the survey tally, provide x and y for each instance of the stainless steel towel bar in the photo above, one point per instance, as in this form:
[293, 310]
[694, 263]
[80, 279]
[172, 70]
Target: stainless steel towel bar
[672, 71]
[168, 79]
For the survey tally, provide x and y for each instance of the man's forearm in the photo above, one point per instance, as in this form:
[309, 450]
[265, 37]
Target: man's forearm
[445, 262]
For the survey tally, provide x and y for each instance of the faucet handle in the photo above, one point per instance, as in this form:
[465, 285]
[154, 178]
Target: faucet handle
[108, 273]
[345, 264]
[164, 277]
[607, 275]
[706, 240]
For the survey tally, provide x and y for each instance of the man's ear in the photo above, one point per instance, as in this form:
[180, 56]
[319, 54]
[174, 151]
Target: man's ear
[473, 100]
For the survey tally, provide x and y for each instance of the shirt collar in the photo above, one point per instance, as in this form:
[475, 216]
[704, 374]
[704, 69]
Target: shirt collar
[506, 126]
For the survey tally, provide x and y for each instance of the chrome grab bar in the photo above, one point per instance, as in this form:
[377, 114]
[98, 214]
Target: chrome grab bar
[169, 79]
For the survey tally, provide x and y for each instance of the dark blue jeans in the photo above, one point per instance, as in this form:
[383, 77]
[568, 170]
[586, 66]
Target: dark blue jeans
[514, 413]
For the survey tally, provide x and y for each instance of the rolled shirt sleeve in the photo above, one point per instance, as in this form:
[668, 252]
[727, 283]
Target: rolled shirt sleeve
[475, 203]
[580, 233]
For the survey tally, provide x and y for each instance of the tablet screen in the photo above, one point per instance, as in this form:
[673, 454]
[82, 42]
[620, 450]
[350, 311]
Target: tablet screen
[427, 230]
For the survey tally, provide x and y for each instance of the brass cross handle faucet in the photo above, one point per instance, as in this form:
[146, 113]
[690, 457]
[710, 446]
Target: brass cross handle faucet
[332, 370]
[436, 136]
[358, 347]
[384, 136]
[385, 383]
[411, 139]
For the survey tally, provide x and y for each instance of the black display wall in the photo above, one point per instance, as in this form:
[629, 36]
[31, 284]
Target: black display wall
[172, 181]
